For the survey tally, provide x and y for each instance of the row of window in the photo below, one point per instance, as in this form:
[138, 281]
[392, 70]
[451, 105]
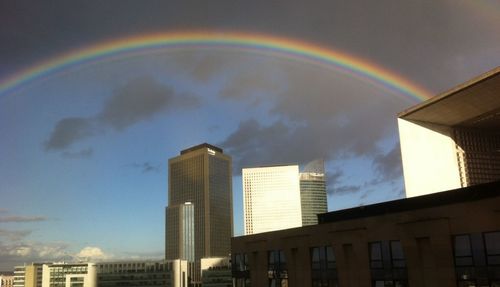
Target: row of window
[477, 263]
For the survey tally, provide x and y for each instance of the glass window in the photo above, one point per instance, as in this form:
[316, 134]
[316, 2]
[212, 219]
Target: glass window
[397, 256]
[463, 250]
[492, 242]
[375, 255]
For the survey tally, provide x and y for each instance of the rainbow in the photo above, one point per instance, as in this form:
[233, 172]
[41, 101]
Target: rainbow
[251, 42]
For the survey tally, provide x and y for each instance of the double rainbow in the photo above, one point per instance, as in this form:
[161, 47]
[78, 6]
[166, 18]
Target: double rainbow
[251, 42]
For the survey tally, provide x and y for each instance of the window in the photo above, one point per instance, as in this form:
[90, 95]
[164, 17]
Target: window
[277, 269]
[376, 255]
[492, 244]
[388, 264]
[397, 256]
[323, 267]
[241, 270]
[477, 259]
[463, 250]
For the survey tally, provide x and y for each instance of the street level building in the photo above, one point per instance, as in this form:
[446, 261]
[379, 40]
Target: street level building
[453, 139]
[279, 197]
[202, 176]
[448, 238]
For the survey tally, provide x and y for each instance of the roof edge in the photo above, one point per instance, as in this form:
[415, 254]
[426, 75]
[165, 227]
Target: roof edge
[468, 84]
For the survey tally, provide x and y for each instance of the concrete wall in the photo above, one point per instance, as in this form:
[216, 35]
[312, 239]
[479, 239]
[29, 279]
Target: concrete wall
[430, 162]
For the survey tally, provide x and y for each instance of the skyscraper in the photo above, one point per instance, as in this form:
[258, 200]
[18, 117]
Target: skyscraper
[201, 175]
[313, 192]
[279, 197]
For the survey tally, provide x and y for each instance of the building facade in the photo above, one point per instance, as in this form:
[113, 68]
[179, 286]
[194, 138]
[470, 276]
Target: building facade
[280, 197]
[69, 275]
[6, 280]
[313, 192]
[453, 139]
[19, 272]
[120, 273]
[443, 239]
[180, 218]
[171, 273]
[202, 175]
[216, 272]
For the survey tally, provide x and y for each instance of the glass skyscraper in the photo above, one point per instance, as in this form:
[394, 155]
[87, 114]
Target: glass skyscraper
[200, 175]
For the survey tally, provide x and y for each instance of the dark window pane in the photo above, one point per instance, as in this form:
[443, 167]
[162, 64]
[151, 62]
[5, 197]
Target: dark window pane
[330, 256]
[282, 258]
[271, 257]
[464, 261]
[375, 251]
[397, 250]
[462, 245]
[494, 260]
[492, 241]
[315, 254]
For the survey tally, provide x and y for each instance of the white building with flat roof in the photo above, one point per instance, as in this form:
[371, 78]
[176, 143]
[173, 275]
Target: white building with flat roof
[271, 198]
[280, 197]
[453, 139]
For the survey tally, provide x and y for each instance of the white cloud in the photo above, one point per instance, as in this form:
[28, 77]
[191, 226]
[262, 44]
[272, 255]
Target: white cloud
[94, 253]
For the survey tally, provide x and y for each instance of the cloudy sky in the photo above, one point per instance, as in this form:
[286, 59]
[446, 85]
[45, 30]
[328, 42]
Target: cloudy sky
[83, 154]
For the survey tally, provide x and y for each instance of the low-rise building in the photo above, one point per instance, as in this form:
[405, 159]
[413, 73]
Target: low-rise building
[449, 238]
[216, 272]
[6, 280]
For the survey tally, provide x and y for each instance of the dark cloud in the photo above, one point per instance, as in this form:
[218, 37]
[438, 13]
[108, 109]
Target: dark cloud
[337, 186]
[138, 100]
[22, 218]
[389, 166]
[69, 130]
[141, 99]
[146, 167]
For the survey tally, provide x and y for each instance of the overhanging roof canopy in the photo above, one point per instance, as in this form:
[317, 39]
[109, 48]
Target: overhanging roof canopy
[475, 103]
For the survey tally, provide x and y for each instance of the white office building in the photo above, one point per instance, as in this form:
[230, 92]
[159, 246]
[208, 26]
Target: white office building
[280, 197]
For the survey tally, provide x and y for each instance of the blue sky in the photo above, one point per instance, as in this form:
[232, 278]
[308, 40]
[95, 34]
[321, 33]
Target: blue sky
[83, 169]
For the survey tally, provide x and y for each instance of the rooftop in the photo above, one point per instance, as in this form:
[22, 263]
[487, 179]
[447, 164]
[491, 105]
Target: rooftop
[473, 104]
[202, 146]
[466, 194]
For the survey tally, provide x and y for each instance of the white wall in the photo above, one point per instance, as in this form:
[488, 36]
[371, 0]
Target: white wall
[271, 198]
[429, 157]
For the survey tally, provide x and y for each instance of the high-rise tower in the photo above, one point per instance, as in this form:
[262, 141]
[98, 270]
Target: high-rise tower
[279, 197]
[200, 175]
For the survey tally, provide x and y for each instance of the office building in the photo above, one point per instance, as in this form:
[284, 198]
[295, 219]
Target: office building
[313, 192]
[180, 218]
[143, 273]
[453, 139]
[448, 238]
[69, 275]
[279, 197]
[162, 273]
[202, 176]
[29, 275]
